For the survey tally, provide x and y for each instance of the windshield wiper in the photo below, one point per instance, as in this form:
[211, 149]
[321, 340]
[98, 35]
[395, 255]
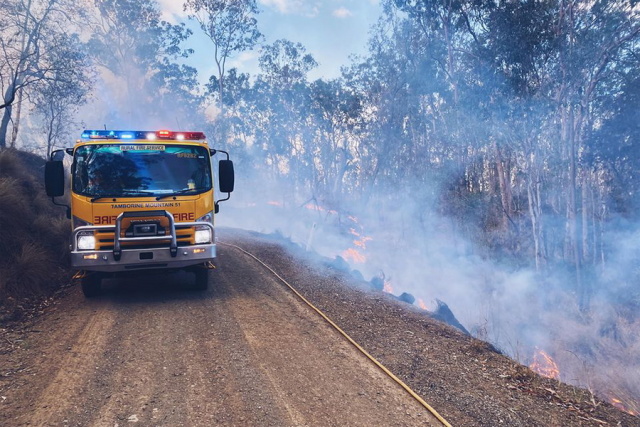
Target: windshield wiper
[177, 193]
[124, 193]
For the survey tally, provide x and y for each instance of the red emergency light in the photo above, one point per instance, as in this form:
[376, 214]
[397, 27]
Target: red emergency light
[136, 134]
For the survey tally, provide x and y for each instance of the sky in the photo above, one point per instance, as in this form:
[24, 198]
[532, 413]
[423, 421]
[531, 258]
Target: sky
[330, 30]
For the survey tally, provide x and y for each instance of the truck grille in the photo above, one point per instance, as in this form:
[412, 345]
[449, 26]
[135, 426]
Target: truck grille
[184, 237]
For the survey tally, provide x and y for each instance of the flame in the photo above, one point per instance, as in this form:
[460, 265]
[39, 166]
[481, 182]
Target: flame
[362, 242]
[354, 219]
[353, 253]
[274, 203]
[421, 304]
[315, 207]
[387, 287]
[354, 256]
[623, 406]
[544, 365]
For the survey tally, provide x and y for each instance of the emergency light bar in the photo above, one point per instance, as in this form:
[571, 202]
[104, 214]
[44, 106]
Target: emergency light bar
[139, 134]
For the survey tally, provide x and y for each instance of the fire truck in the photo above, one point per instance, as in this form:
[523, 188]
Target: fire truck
[140, 201]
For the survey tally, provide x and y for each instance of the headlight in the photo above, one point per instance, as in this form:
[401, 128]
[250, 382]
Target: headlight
[203, 235]
[86, 242]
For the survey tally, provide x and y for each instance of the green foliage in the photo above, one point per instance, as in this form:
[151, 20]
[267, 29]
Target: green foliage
[131, 41]
[231, 25]
[518, 117]
[36, 54]
[285, 63]
[130, 32]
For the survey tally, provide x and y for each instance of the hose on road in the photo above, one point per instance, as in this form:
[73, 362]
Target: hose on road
[347, 337]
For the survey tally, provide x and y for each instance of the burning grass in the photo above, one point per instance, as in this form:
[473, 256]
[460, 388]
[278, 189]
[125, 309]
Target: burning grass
[544, 365]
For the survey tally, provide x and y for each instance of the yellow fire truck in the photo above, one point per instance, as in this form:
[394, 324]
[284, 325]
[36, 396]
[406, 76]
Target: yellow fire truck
[140, 200]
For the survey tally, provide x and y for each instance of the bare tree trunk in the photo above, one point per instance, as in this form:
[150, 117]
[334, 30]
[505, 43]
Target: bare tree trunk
[534, 224]
[535, 214]
[4, 126]
[342, 165]
[506, 196]
[16, 121]
[572, 251]
[50, 132]
[586, 246]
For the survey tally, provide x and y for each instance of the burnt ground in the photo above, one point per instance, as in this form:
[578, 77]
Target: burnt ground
[248, 352]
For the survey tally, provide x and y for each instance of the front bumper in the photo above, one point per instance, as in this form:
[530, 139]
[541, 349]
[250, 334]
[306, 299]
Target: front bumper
[150, 252]
[139, 259]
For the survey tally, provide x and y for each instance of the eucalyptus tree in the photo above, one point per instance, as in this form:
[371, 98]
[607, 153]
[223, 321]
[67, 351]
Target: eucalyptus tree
[232, 27]
[131, 42]
[283, 94]
[411, 130]
[285, 64]
[613, 148]
[239, 107]
[597, 43]
[58, 100]
[336, 111]
[31, 33]
[518, 47]
[175, 93]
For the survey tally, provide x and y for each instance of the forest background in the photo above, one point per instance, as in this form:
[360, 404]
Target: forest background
[483, 153]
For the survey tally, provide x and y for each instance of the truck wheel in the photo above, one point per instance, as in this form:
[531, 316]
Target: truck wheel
[91, 285]
[202, 278]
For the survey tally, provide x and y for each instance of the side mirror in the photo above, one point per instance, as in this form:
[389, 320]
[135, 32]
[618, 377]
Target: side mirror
[226, 176]
[54, 178]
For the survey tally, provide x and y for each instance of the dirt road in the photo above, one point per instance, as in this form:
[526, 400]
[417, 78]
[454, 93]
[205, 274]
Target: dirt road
[245, 352]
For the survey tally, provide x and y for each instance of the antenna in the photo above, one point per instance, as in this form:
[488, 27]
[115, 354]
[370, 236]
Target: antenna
[105, 127]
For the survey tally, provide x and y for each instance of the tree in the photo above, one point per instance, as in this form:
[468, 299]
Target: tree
[230, 25]
[173, 88]
[282, 93]
[336, 111]
[285, 64]
[592, 41]
[58, 100]
[31, 33]
[238, 101]
[131, 42]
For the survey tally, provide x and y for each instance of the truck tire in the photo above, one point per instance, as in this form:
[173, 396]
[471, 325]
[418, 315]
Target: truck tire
[91, 285]
[201, 278]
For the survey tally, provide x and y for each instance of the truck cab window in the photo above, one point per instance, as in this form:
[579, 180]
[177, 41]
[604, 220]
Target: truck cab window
[128, 171]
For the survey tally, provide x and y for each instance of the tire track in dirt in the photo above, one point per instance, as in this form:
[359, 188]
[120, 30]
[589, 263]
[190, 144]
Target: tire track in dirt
[315, 372]
[151, 352]
[74, 370]
[142, 362]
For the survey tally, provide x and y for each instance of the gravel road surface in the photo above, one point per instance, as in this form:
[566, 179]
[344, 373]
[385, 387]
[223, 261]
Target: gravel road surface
[247, 352]
[153, 352]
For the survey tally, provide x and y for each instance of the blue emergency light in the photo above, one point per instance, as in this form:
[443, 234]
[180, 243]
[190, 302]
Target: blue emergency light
[143, 135]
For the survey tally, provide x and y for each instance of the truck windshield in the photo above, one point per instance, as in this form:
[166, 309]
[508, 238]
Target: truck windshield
[129, 170]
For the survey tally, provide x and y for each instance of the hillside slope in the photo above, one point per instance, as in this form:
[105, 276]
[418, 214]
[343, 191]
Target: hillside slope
[465, 379]
[33, 247]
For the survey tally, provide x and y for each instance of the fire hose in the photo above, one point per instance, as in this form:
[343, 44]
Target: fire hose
[348, 338]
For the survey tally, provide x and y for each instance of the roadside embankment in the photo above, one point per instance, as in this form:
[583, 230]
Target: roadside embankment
[33, 236]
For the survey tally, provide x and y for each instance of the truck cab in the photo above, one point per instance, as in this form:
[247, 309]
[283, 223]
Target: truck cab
[139, 201]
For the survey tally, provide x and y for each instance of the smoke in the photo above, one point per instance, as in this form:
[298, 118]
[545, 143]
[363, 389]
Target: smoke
[515, 308]
[403, 237]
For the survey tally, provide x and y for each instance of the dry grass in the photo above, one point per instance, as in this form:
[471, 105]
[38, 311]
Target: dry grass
[34, 235]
